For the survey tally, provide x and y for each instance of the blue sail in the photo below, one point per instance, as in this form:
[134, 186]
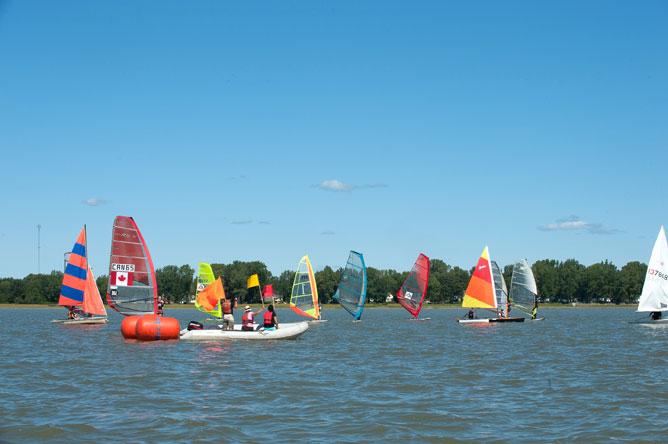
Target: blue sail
[351, 292]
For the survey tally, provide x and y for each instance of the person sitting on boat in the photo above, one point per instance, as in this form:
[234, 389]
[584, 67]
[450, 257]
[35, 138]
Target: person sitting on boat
[247, 318]
[228, 306]
[270, 320]
[471, 314]
[71, 314]
[655, 315]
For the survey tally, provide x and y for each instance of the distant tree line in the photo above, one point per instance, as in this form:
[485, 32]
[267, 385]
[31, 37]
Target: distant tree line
[561, 282]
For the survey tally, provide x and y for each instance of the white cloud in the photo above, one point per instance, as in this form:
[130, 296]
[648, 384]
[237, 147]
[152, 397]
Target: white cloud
[94, 202]
[573, 223]
[328, 233]
[241, 222]
[336, 185]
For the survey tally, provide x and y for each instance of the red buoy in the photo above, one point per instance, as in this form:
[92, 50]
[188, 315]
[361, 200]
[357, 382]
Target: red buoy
[154, 328]
[129, 326]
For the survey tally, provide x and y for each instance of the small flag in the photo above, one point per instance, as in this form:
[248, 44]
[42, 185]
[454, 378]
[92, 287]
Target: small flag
[253, 281]
[209, 297]
[121, 278]
[268, 292]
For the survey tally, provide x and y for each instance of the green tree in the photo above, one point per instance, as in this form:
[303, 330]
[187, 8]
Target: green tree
[632, 277]
[327, 280]
[174, 282]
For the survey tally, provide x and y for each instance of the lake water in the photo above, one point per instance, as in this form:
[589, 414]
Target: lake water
[583, 375]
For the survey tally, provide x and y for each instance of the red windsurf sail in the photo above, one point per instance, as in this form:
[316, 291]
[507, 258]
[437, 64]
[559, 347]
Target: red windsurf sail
[412, 292]
[132, 288]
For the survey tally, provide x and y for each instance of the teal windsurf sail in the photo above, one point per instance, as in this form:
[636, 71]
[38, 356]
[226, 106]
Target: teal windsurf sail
[351, 291]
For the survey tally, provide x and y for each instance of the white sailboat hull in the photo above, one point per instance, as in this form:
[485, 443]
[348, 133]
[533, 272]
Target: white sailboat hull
[284, 331]
[83, 321]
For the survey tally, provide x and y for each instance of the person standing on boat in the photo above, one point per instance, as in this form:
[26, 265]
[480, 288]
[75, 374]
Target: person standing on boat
[535, 310]
[247, 318]
[270, 320]
[161, 305]
[228, 305]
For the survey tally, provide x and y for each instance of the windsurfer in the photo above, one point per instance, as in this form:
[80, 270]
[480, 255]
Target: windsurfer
[247, 318]
[534, 311]
[270, 320]
[228, 306]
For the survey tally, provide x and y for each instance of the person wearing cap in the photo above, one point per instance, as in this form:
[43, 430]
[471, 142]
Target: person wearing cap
[247, 318]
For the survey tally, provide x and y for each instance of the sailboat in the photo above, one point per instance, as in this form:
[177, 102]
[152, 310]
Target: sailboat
[131, 289]
[304, 297]
[79, 288]
[208, 295]
[523, 290]
[413, 290]
[351, 291]
[482, 292]
[654, 296]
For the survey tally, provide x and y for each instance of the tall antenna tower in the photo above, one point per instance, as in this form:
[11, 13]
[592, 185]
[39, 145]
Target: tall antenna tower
[39, 227]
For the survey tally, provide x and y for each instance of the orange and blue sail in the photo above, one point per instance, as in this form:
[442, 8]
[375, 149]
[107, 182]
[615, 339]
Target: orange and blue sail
[480, 292]
[76, 272]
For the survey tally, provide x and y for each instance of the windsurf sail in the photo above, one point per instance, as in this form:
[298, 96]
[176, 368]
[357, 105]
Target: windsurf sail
[480, 292]
[79, 288]
[500, 287]
[351, 291]
[654, 296]
[412, 292]
[132, 288]
[207, 301]
[304, 297]
[523, 290]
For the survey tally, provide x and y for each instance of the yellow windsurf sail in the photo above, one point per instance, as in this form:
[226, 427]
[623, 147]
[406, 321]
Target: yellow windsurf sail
[208, 295]
[480, 292]
[304, 298]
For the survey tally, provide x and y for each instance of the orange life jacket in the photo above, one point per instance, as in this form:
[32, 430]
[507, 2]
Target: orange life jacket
[227, 307]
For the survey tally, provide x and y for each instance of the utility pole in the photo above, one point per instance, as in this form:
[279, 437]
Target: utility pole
[39, 227]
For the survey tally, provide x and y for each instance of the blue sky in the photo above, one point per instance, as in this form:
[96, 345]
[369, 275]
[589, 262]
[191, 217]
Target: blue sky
[265, 130]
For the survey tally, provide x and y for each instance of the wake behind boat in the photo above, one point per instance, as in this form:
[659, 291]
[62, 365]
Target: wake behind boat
[285, 331]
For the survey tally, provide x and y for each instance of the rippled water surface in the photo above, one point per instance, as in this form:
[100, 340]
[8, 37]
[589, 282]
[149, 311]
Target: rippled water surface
[583, 375]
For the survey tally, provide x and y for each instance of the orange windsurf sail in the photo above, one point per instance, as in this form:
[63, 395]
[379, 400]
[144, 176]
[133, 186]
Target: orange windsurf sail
[480, 292]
